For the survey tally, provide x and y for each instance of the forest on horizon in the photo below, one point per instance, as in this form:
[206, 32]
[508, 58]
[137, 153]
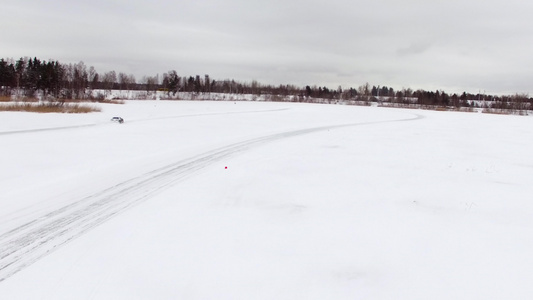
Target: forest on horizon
[52, 80]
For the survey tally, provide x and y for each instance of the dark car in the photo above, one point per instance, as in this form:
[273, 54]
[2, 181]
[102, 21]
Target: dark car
[117, 119]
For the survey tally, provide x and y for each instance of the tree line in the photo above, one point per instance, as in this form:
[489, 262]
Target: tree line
[52, 80]
[31, 77]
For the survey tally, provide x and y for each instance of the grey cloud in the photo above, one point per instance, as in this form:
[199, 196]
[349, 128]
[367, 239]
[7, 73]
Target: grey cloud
[414, 48]
[458, 44]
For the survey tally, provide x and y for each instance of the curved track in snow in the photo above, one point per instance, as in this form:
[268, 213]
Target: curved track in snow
[24, 245]
[140, 120]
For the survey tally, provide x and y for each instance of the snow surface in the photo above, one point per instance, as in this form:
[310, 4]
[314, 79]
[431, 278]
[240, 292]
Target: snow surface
[316, 202]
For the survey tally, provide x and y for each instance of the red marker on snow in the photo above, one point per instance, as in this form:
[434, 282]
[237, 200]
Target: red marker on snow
[225, 167]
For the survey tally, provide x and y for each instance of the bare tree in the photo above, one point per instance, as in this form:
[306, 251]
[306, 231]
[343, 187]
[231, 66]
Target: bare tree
[109, 80]
[80, 79]
[364, 92]
[92, 78]
[123, 81]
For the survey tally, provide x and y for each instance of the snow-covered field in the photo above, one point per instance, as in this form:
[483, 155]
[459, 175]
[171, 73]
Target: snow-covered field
[246, 200]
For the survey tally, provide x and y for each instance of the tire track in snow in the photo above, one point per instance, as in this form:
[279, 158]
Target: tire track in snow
[139, 120]
[26, 244]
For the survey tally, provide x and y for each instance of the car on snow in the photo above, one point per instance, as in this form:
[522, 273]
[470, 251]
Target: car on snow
[117, 119]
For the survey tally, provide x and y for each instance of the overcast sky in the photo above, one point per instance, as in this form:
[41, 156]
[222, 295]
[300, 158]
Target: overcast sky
[453, 45]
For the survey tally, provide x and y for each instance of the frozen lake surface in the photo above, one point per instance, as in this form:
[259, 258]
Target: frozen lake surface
[248, 200]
